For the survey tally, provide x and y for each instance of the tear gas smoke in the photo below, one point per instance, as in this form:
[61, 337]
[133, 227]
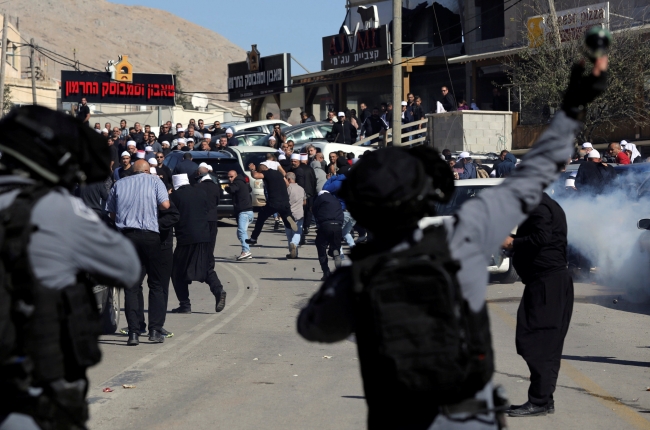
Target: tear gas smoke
[603, 229]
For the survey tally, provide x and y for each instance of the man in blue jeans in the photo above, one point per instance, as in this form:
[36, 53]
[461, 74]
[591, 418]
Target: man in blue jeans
[243, 206]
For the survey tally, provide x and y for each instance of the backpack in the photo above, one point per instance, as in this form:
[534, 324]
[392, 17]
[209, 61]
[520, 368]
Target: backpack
[423, 338]
[481, 173]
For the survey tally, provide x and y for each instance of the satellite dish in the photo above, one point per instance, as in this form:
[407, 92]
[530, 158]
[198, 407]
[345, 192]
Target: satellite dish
[199, 101]
[245, 104]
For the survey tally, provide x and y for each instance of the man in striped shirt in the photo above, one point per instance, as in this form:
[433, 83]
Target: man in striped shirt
[133, 204]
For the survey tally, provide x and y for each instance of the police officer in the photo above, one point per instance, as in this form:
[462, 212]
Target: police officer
[478, 228]
[49, 324]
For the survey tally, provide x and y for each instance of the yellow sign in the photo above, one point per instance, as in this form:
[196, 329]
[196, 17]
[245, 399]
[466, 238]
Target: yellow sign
[536, 31]
[124, 69]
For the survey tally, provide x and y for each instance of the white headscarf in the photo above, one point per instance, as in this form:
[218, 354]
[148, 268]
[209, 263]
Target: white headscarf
[635, 152]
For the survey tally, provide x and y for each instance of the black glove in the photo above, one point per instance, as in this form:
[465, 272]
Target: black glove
[582, 91]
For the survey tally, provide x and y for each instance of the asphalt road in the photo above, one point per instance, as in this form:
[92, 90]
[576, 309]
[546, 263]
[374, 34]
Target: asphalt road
[246, 367]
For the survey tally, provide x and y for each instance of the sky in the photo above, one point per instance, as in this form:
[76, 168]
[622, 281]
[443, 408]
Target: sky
[293, 26]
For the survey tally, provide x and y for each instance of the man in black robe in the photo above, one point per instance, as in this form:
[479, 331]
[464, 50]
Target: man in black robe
[207, 184]
[594, 175]
[545, 310]
[193, 258]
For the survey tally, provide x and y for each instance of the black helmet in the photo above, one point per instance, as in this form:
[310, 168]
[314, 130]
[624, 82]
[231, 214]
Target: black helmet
[53, 146]
[393, 187]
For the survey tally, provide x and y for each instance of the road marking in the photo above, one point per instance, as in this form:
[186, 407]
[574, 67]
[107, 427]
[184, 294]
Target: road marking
[168, 347]
[596, 391]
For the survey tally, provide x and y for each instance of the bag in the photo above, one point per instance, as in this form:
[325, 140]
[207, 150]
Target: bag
[425, 339]
[481, 173]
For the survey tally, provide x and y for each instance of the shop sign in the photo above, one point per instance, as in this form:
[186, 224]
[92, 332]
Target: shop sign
[363, 46]
[99, 87]
[572, 23]
[259, 76]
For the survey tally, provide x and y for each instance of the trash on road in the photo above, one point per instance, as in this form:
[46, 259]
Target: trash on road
[647, 388]
[128, 386]
[107, 390]
[254, 359]
[327, 356]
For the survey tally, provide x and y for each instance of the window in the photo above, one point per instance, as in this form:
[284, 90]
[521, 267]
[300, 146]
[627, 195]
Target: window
[302, 136]
[490, 16]
[253, 157]
[252, 129]
[241, 141]
[324, 129]
[254, 138]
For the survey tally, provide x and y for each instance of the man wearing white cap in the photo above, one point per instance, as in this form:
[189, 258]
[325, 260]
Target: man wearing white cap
[230, 138]
[125, 167]
[206, 182]
[278, 200]
[594, 175]
[465, 162]
[190, 145]
[166, 147]
[180, 134]
[587, 147]
[180, 144]
[342, 130]
[193, 257]
[141, 154]
[272, 142]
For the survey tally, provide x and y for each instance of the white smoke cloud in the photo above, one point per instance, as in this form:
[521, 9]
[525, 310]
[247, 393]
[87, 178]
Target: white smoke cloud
[603, 228]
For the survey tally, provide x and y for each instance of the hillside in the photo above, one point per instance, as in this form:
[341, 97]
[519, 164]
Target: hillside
[153, 39]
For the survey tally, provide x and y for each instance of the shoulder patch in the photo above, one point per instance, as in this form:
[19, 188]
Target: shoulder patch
[80, 209]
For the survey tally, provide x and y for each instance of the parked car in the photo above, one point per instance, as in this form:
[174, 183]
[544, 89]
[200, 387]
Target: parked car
[247, 155]
[265, 126]
[244, 138]
[222, 162]
[302, 133]
[326, 147]
[500, 268]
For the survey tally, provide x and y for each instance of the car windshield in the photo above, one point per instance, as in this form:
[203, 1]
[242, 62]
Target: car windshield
[460, 196]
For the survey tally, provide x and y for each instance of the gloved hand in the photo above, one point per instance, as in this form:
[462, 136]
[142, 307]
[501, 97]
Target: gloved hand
[583, 89]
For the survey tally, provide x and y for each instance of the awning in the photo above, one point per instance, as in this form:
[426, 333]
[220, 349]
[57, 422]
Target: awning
[339, 70]
[485, 55]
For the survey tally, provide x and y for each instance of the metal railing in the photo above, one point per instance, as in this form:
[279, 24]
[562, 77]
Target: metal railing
[386, 138]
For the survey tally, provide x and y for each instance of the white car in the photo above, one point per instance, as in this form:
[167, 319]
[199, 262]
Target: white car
[500, 269]
[264, 126]
[252, 154]
[325, 148]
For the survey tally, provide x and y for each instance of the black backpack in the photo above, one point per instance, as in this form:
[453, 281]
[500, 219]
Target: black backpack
[414, 329]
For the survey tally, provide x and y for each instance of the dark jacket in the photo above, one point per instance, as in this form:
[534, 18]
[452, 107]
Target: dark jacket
[540, 244]
[327, 208]
[165, 174]
[469, 170]
[233, 141]
[449, 102]
[364, 115]
[186, 166]
[214, 194]
[166, 220]
[373, 125]
[505, 168]
[333, 186]
[594, 177]
[241, 195]
[192, 204]
[306, 178]
[342, 133]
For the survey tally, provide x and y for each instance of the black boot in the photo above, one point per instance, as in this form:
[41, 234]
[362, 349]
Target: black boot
[527, 410]
[134, 339]
[156, 337]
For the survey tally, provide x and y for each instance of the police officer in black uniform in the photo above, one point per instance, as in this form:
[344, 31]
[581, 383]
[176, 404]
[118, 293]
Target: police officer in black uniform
[52, 243]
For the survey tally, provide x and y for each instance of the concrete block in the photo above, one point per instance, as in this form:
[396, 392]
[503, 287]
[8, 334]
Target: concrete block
[496, 125]
[483, 125]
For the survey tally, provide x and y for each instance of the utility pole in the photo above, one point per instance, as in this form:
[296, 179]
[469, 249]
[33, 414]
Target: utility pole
[397, 72]
[554, 25]
[33, 67]
[3, 63]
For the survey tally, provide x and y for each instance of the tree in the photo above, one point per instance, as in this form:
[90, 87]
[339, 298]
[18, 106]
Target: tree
[543, 73]
[180, 99]
[6, 101]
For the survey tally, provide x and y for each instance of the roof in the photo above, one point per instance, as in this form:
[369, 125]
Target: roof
[339, 70]
[486, 55]
[246, 148]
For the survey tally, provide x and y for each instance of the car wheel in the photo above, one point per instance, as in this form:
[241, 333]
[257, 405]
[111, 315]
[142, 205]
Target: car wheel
[110, 316]
[509, 277]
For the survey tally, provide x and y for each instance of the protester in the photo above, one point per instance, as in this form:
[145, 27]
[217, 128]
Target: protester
[448, 101]
[633, 153]
[342, 130]
[213, 191]
[619, 155]
[163, 172]
[329, 216]
[465, 167]
[594, 175]
[231, 141]
[372, 125]
[507, 166]
[297, 201]
[186, 166]
[193, 256]
[243, 210]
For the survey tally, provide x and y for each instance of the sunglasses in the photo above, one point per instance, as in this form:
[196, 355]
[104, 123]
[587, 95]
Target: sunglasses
[159, 156]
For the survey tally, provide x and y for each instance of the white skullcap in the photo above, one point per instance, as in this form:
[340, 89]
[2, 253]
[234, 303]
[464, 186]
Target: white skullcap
[587, 145]
[98, 130]
[229, 131]
[104, 131]
[153, 162]
[623, 142]
[209, 168]
[148, 148]
[594, 154]
[126, 154]
[404, 104]
[180, 140]
[271, 138]
[207, 136]
[180, 130]
[206, 165]
[341, 114]
[180, 180]
[282, 157]
[570, 182]
[295, 157]
[304, 157]
[164, 142]
[141, 154]
[152, 170]
[464, 155]
[131, 143]
[189, 139]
